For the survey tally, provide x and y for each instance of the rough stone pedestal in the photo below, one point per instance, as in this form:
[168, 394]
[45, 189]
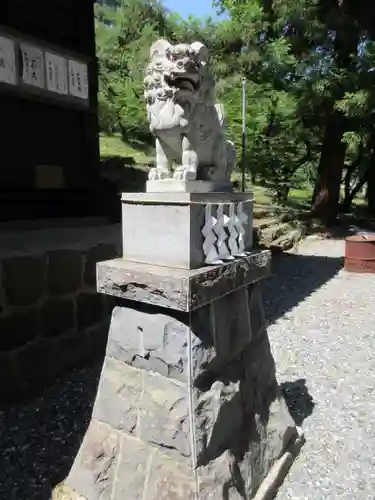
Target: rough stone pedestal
[188, 406]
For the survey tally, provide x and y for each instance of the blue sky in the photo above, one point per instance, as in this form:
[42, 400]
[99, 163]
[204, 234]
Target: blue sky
[201, 8]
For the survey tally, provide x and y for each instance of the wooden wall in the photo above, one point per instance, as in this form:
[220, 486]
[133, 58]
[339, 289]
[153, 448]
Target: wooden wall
[38, 130]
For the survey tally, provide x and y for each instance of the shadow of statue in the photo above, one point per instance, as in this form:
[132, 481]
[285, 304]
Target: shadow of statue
[300, 402]
[250, 399]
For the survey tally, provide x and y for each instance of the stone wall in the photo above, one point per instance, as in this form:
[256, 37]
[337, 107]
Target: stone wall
[51, 317]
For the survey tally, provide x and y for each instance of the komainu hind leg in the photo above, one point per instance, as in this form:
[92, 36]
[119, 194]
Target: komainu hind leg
[163, 169]
[189, 168]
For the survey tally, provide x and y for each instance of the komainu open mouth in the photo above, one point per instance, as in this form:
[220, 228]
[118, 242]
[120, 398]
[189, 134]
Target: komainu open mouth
[182, 82]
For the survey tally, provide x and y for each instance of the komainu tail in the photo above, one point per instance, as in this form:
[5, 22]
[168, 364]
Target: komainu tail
[221, 114]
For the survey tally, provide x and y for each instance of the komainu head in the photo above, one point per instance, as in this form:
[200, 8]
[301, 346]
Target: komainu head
[175, 72]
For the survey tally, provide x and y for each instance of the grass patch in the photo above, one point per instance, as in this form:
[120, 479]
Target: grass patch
[113, 145]
[142, 153]
[298, 198]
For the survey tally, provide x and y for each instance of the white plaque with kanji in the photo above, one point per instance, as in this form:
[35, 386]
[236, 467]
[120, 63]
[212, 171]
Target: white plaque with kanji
[78, 80]
[56, 73]
[8, 72]
[33, 65]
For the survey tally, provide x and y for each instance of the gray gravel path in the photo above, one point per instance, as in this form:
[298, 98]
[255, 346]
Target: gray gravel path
[322, 329]
[324, 349]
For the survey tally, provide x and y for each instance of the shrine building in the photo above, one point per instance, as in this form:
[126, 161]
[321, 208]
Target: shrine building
[54, 226]
[48, 101]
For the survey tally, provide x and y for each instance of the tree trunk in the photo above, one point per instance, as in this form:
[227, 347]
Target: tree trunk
[350, 194]
[371, 191]
[371, 187]
[123, 133]
[370, 195]
[327, 186]
[282, 194]
[348, 199]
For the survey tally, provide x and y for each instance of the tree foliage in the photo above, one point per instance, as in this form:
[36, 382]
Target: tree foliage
[309, 69]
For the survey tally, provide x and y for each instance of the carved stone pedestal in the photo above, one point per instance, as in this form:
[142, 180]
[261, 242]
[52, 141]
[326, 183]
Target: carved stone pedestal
[188, 406]
[184, 230]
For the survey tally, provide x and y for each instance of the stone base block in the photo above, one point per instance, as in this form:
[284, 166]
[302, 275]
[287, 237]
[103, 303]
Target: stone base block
[185, 230]
[180, 289]
[188, 406]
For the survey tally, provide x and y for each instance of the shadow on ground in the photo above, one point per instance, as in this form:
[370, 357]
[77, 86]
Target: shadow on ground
[293, 278]
[355, 220]
[39, 439]
[299, 401]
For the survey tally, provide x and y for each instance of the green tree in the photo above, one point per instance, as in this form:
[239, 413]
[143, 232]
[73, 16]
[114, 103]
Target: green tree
[124, 35]
[308, 49]
[310, 85]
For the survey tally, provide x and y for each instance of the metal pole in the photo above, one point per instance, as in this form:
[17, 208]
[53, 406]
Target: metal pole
[243, 149]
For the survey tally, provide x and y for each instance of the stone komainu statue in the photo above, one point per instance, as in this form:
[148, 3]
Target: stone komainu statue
[184, 117]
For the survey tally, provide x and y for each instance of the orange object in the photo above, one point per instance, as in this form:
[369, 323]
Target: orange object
[360, 253]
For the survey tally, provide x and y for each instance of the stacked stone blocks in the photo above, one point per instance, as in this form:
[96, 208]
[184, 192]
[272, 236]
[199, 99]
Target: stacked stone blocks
[51, 317]
[188, 406]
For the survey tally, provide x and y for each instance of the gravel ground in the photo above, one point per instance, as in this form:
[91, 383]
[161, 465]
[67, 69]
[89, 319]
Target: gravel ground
[322, 325]
[324, 352]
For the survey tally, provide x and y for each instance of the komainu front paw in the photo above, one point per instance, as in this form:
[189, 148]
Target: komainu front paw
[157, 174]
[152, 175]
[185, 174]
